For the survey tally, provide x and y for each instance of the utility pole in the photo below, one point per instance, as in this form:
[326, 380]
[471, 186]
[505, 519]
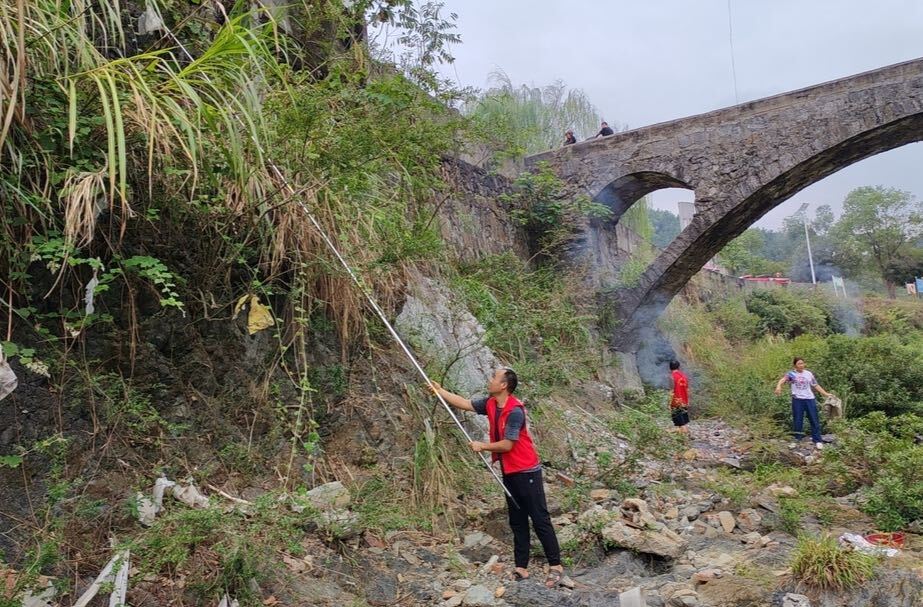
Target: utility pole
[807, 238]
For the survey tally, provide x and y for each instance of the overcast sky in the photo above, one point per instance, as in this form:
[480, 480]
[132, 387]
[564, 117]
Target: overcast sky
[643, 62]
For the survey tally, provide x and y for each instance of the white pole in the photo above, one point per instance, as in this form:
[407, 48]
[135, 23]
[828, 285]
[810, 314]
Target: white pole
[807, 238]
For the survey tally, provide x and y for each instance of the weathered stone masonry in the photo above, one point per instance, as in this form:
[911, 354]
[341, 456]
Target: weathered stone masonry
[741, 162]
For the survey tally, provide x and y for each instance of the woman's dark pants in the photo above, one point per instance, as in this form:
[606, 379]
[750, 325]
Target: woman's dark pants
[800, 406]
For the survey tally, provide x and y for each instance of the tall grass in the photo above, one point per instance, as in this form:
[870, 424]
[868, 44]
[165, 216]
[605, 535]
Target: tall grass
[823, 564]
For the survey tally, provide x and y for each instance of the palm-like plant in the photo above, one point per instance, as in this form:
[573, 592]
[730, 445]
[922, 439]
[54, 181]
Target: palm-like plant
[177, 106]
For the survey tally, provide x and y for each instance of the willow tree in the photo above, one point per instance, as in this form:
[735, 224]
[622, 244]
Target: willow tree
[519, 120]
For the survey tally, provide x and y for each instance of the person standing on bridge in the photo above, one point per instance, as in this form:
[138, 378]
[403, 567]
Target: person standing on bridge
[679, 402]
[605, 131]
[803, 400]
[569, 138]
[511, 445]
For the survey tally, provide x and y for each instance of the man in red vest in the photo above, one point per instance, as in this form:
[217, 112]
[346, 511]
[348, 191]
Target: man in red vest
[679, 402]
[511, 445]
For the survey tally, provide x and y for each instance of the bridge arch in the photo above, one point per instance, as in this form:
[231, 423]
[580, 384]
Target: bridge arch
[706, 235]
[741, 162]
[620, 194]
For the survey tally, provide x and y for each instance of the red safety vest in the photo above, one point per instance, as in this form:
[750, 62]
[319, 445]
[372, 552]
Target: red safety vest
[680, 390]
[523, 455]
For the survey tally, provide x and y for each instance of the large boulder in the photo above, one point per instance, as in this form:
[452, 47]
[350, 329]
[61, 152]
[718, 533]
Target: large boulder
[447, 338]
[616, 532]
[329, 496]
[445, 335]
[661, 542]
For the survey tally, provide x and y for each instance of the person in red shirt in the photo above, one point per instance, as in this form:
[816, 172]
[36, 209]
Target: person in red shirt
[679, 403]
[511, 445]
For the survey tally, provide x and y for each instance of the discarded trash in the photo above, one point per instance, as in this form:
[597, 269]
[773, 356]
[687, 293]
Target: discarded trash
[258, 318]
[148, 507]
[226, 601]
[45, 598]
[795, 600]
[862, 545]
[890, 540]
[8, 380]
[146, 510]
[833, 406]
[120, 585]
[150, 21]
[190, 495]
[160, 486]
[633, 597]
[89, 293]
[119, 581]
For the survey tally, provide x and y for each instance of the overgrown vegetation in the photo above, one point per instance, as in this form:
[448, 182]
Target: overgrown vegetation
[152, 182]
[877, 375]
[521, 120]
[552, 216]
[823, 564]
[533, 318]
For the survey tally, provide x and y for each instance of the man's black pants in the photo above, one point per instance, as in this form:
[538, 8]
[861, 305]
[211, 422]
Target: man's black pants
[529, 492]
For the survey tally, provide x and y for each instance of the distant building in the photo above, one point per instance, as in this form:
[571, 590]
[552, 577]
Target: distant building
[686, 212]
[764, 280]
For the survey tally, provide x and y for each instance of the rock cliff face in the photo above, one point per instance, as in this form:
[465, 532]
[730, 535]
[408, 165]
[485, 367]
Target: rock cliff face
[474, 222]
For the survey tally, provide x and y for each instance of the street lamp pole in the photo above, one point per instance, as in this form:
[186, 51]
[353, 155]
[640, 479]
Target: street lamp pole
[807, 238]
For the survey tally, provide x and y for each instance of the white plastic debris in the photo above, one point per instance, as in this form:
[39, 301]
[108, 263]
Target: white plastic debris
[89, 293]
[148, 507]
[120, 584]
[147, 511]
[160, 486]
[226, 601]
[190, 495]
[864, 546]
[106, 576]
[8, 379]
[833, 406]
[45, 598]
[150, 21]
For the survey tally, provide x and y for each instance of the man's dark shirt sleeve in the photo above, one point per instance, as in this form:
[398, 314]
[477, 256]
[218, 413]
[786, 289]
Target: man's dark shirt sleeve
[514, 423]
[480, 405]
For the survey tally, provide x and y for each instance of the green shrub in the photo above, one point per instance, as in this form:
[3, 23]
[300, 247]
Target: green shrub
[893, 317]
[550, 215]
[880, 455]
[783, 313]
[823, 564]
[738, 323]
[533, 319]
[874, 374]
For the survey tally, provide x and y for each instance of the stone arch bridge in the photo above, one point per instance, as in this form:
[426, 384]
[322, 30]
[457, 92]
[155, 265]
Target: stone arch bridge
[741, 162]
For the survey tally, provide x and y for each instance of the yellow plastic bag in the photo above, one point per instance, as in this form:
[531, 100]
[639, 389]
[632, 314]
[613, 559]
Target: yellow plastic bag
[258, 318]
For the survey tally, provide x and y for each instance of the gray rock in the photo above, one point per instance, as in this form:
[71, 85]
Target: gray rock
[479, 596]
[795, 600]
[727, 521]
[661, 542]
[328, 496]
[749, 520]
[454, 601]
[444, 333]
[342, 524]
[476, 538]
[381, 589]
